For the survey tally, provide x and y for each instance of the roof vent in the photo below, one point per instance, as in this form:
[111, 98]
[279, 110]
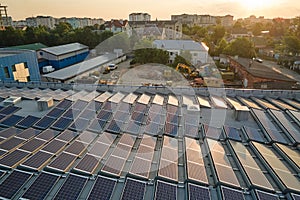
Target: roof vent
[12, 100]
[193, 108]
[45, 103]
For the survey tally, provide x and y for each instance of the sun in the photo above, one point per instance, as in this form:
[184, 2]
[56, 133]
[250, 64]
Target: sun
[256, 4]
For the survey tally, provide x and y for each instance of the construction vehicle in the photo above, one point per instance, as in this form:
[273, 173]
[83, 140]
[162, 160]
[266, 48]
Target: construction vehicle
[189, 73]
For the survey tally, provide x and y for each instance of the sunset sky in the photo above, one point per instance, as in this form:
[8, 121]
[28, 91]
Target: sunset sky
[160, 9]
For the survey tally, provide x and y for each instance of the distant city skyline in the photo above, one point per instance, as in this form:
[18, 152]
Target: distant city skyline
[120, 9]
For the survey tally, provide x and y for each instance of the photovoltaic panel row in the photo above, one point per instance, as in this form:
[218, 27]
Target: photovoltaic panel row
[196, 192]
[165, 191]
[44, 123]
[115, 126]
[168, 166]
[269, 126]
[222, 165]
[261, 195]
[7, 133]
[62, 123]
[116, 161]
[191, 130]
[153, 128]
[63, 162]
[41, 186]
[13, 183]
[55, 112]
[12, 143]
[281, 104]
[11, 120]
[143, 159]
[94, 105]
[133, 127]
[255, 134]
[171, 129]
[231, 194]
[109, 106]
[104, 115]
[37, 161]
[232, 133]
[55, 146]
[292, 154]
[86, 137]
[253, 171]
[33, 145]
[27, 122]
[65, 104]
[133, 189]
[125, 107]
[142, 108]
[71, 188]
[195, 164]
[67, 136]
[102, 189]
[121, 116]
[72, 113]
[76, 148]
[9, 110]
[97, 125]
[264, 103]
[212, 132]
[278, 166]
[79, 105]
[48, 134]
[292, 129]
[80, 124]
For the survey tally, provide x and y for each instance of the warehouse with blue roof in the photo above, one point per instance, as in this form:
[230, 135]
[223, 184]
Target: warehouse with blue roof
[62, 56]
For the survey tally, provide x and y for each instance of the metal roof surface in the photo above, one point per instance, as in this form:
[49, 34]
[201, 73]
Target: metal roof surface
[64, 49]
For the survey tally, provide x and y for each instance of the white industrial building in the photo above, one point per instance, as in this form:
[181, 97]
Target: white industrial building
[198, 51]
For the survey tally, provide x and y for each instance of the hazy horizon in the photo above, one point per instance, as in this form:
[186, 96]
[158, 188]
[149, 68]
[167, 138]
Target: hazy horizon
[119, 9]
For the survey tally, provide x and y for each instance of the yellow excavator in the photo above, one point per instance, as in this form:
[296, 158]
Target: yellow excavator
[189, 73]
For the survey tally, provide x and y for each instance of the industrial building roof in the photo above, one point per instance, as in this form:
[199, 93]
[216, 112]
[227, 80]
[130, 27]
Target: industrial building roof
[34, 46]
[64, 49]
[121, 142]
[79, 68]
[260, 70]
[188, 45]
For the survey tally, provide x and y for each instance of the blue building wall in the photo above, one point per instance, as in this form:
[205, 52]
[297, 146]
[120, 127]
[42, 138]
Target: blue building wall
[9, 58]
[59, 64]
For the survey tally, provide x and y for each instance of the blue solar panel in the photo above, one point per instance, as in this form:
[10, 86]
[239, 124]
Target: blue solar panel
[265, 196]
[9, 132]
[125, 107]
[44, 123]
[133, 127]
[71, 188]
[102, 189]
[79, 124]
[109, 106]
[65, 104]
[11, 120]
[138, 117]
[88, 114]
[94, 105]
[55, 112]
[197, 192]
[212, 132]
[62, 123]
[232, 194]
[140, 108]
[41, 186]
[165, 191]
[173, 119]
[191, 131]
[157, 118]
[133, 190]
[233, 133]
[9, 110]
[115, 127]
[121, 116]
[79, 105]
[155, 108]
[171, 129]
[276, 136]
[72, 113]
[254, 134]
[104, 115]
[153, 129]
[97, 125]
[27, 122]
[13, 183]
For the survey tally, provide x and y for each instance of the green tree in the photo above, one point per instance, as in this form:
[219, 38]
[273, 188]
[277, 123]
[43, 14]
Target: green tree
[220, 47]
[218, 34]
[292, 44]
[242, 47]
[151, 55]
[257, 28]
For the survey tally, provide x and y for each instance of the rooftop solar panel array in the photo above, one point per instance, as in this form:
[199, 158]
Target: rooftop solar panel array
[277, 165]
[145, 146]
[223, 167]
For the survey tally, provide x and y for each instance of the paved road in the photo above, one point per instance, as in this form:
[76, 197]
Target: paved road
[287, 72]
